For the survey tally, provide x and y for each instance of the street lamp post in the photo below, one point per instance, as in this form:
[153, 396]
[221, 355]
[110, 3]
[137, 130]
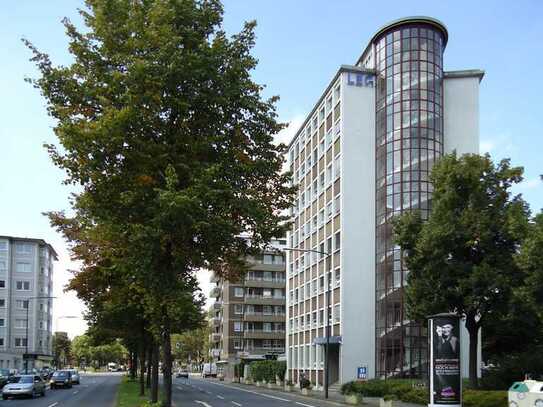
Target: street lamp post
[26, 340]
[328, 308]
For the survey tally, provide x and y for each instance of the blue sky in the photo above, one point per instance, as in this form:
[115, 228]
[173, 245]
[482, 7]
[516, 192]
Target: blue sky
[300, 45]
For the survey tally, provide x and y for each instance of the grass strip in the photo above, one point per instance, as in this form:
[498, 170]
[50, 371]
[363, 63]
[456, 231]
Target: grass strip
[128, 394]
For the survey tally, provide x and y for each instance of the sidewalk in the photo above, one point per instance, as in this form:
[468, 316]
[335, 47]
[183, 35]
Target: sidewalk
[334, 397]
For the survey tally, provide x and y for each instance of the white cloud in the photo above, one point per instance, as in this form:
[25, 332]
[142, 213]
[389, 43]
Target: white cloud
[531, 183]
[286, 135]
[486, 146]
[499, 146]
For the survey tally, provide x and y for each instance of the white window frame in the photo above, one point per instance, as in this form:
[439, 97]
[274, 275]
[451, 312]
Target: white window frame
[23, 267]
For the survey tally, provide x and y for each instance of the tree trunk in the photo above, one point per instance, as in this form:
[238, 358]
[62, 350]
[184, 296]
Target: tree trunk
[473, 328]
[142, 370]
[154, 374]
[149, 363]
[133, 367]
[167, 363]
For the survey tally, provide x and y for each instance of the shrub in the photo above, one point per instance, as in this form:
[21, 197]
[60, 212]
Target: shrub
[478, 398]
[512, 368]
[266, 370]
[305, 383]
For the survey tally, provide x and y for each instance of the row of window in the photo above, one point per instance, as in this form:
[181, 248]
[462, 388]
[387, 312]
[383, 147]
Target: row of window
[309, 259]
[306, 357]
[331, 209]
[23, 305]
[259, 309]
[310, 320]
[250, 292]
[325, 110]
[272, 327]
[313, 288]
[255, 344]
[21, 323]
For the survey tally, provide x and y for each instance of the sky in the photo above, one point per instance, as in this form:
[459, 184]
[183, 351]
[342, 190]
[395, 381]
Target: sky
[300, 45]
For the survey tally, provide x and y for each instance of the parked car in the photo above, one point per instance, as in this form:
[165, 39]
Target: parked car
[5, 375]
[75, 376]
[182, 373]
[112, 367]
[24, 385]
[61, 378]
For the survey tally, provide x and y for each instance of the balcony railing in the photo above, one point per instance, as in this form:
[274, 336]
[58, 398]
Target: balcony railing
[269, 280]
[265, 314]
[261, 297]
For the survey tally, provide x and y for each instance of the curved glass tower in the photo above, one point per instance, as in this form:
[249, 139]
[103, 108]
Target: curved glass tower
[409, 138]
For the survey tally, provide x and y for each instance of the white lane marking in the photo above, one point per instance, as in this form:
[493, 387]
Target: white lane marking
[53, 405]
[75, 392]
[303, 404]
[179, 388]
[202, 403]
[236, 404]
[253, 392]
[220, 397]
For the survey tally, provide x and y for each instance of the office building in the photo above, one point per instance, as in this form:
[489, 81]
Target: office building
[362, 156]
[26, 273]
[248, 319]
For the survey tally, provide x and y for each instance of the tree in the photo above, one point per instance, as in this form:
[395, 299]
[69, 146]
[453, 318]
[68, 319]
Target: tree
[191, 346]
[462, 260]
[166, 133]
[61, 349]
[81, 350]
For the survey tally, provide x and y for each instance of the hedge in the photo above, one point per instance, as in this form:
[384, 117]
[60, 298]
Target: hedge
[267, 370]
[405, 391]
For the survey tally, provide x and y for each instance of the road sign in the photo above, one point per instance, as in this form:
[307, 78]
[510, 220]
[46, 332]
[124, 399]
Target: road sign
[362, 373]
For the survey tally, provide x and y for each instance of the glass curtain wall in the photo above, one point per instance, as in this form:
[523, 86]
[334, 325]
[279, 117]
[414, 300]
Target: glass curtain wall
[409, 138]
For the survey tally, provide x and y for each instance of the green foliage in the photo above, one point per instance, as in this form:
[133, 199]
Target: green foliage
[267, 370]
[406, 391]
[171, 143]
[192, 345]
[477, 398]
[83, 350]
[462, 259]
[513, 367]
[62, 353]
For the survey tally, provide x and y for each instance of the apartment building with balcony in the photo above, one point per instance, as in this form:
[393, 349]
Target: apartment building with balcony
[362, 156]
[26, 314]
[248, 316]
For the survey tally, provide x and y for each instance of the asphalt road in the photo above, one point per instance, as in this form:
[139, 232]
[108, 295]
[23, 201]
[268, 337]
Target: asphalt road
[95, 390]
[198, 392]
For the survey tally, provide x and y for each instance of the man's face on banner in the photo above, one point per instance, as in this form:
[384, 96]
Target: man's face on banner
[447, 330]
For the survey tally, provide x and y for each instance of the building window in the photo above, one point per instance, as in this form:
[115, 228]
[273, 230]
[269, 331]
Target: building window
[238, 326]
[238, 309]
[238, 291]
[336, 313]
[2, 342]
[20, 323]
[3, 265]
[2, 322]
[237, 344]
[337, 238]
[21, 267]
[2, 302]
[338, 276]
[21, 304]
[2, 283]
[268, 259]
[23, 248]
[3, 246]
[23, 285]
[20, 342]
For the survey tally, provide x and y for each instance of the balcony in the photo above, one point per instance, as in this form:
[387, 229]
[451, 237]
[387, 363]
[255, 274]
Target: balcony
[216, 321]
[215, 292]
[217, 305]
[260, 299]
[265, 283]
[263, 350]
[214, 278]
[215, 337]
[261, 334]
[264, 317]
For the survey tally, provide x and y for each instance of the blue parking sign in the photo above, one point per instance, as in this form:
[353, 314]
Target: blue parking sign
[362, 373]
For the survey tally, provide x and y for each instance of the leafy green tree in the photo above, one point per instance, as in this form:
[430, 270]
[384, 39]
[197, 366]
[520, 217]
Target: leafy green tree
[462, 260]
[191, 346]
[81, 350]
[172, 144]
[61, 349]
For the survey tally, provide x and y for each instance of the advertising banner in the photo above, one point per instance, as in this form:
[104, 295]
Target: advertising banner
[445, 377]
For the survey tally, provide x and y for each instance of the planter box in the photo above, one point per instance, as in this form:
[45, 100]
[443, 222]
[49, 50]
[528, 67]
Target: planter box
[259, 384]
[387, 403]
[271, 385]
[353, 399]
[306, 392]
[289, 388]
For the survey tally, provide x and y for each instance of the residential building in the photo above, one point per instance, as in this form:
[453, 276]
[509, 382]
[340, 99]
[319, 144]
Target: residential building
[248, 319]
[26, 312]
[362, 156]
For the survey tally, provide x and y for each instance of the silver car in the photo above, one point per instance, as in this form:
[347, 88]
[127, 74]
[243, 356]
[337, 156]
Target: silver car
[24, 385]
[75, 376]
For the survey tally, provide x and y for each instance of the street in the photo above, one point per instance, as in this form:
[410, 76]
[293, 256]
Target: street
[95, 390]
[198, 392]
